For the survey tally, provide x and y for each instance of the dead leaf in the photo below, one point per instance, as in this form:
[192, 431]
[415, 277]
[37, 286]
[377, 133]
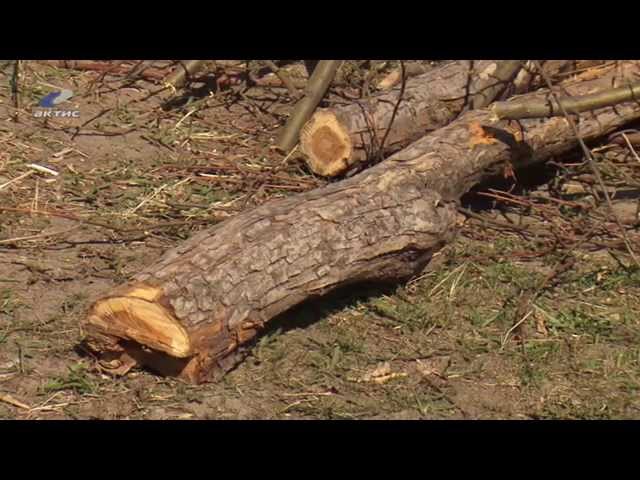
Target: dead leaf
[541, 328]
[479, 135]
[435, 367]
[426, 368]
[381, 374]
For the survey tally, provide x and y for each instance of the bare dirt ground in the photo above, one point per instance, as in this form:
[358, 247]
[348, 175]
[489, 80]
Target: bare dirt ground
[143, 168]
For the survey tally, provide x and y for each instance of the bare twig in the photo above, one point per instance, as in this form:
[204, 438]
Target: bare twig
[284, 78]
[395, 110]
[316, 88]
[17, 179]
[628, 138]
[515, 327]
[635, 154]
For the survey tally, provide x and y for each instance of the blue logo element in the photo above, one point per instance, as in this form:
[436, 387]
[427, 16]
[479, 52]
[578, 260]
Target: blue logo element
[55, 98]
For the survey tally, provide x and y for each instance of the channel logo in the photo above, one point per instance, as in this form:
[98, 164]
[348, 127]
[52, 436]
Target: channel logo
[55, 98]
[51, 101]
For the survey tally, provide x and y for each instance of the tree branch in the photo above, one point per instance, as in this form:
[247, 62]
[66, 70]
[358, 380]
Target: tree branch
[316, 88]
[552, 107]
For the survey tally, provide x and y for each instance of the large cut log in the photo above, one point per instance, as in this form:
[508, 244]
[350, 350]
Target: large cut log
[337, 138]
[193, 313]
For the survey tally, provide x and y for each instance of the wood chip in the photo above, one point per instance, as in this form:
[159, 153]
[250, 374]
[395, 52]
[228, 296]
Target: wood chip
[479, 136]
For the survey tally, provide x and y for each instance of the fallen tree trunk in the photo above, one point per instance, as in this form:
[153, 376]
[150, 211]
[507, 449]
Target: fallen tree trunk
[190, 314]
[336, 138]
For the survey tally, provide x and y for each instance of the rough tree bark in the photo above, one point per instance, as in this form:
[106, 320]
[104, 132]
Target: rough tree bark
[192, 313]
